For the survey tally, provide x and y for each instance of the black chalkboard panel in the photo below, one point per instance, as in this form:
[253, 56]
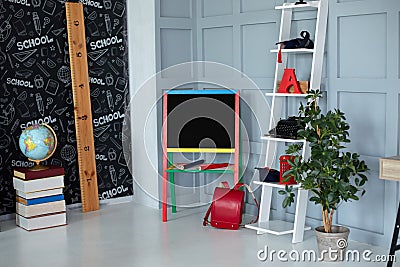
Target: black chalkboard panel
[201, 120]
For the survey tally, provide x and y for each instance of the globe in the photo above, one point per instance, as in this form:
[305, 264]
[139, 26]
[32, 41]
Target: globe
[38, 142]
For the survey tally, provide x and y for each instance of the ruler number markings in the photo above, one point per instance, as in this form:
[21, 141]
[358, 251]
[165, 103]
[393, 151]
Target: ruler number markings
[81, 97]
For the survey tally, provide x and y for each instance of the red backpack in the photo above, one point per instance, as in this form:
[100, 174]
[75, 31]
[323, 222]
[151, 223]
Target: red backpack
[227, 207]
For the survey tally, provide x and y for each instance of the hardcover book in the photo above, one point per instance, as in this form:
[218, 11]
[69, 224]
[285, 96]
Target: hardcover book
[41, 222]
[38, 184]
[40, 209]
[184, 166]
[39, 200]
[38, 194]
[212, 166]
[28, 174]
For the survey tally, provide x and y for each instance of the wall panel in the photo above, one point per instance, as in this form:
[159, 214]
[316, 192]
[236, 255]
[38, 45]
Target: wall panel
[344, 1]
[218, 45]
[175, 8]
[256, 5]
[361, 56]
[212, 8]
[257, 61]
[177, 47]
[365, 113]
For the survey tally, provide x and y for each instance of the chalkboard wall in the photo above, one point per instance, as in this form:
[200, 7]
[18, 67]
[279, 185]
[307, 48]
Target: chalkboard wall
[35, 85]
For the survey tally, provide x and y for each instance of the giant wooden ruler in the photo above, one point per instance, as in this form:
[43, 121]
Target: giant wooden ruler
[82, 106]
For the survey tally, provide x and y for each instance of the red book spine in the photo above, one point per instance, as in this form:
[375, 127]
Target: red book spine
[213, 166]
[27, 174]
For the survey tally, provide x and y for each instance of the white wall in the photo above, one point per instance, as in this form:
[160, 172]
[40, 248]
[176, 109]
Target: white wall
[142, 58]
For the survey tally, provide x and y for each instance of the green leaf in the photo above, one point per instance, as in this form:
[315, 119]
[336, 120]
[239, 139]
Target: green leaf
[354, 197]
[286, 202]
[317, 200]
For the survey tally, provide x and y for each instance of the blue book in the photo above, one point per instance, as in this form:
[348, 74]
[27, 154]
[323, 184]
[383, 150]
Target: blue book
[40, 200]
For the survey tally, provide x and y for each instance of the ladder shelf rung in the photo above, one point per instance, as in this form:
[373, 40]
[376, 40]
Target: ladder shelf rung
[297, 50]
[286, 94]
[309, 4]
[278, 139]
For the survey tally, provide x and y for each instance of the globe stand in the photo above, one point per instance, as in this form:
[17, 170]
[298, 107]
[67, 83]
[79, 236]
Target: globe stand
[37, 166]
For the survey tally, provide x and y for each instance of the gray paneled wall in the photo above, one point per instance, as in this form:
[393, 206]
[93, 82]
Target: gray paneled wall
[361, 77]
[364, 83]
[175, 30]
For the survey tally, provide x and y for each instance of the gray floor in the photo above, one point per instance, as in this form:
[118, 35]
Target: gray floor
[128, 234]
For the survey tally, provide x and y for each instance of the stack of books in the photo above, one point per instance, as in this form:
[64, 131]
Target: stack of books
[40, 199]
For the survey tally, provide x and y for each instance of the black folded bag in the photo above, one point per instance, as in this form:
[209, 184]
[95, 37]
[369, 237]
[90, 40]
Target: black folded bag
[304, 42]
[268, 175]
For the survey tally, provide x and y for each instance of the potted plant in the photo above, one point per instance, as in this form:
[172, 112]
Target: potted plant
[331, 173]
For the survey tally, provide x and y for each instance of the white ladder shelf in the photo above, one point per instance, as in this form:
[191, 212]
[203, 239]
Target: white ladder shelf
[264, 224]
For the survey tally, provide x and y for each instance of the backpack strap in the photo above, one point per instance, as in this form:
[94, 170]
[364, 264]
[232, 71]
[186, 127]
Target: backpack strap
[205, 220]
[224, 184]
[237, 186]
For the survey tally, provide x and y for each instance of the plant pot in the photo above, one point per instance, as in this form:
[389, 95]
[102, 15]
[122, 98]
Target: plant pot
[332, 246]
